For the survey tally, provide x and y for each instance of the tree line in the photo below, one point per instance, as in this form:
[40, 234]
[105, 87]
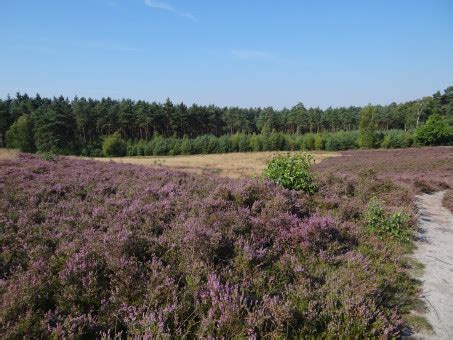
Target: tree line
[81, 125]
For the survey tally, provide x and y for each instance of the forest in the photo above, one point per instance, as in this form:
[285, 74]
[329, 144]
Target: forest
[82, 126]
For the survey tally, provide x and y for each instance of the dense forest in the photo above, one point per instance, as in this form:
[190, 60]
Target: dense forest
[82, 125]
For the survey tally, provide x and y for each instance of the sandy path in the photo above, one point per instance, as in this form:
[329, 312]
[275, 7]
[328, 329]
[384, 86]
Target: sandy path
[435, 251]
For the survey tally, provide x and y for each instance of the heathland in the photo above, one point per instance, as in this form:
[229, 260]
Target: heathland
[94, 248]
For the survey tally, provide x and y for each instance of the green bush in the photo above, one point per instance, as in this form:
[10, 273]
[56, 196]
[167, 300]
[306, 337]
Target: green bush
[49, 156]
[394, 139]
[20, 135]
[114, 146]
[292, 172]
[160, 146]
[379, 222]
[320, 141]
[342, 140]
[308, 141]
[367, 127]
[435, 131]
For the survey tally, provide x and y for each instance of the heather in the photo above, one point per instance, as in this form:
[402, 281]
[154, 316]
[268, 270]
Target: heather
[92, 249]
[415, 170]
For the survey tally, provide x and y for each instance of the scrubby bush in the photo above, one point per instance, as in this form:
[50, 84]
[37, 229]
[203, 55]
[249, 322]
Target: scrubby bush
[114, 146]
[48, 156]
[434, 132]
[367, 127]
[320, 141]
[308, 141]
[292, 171]
[395, 139]
[342, 140]
[384, 224]
[160, 146]
[20, 135]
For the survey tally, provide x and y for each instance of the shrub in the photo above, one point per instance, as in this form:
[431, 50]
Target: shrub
[160, 146]
[20, 135]
[434, 132]
[367, 127]
[342, 140]
[320, 141]
[49, 156]
[114, 146]
[308, 141]
[395, 139]
[383, 224]
[292, 172]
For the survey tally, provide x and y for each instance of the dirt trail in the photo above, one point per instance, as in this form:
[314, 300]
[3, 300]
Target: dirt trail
[435, 251]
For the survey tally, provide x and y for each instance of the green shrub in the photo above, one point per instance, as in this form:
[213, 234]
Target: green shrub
[292, 172]
[367, 127]
[49, 156]
[20, 135]
[160, 146]
[342, 140]
[308, 141]
[379, 222]
[434, 132]
[320, 141]
[394, 139]
[114, 146]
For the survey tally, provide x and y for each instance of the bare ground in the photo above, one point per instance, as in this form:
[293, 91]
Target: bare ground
[435, 252]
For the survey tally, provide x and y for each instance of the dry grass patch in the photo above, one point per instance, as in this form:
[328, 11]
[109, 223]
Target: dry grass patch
[8, 154]
[233, 165]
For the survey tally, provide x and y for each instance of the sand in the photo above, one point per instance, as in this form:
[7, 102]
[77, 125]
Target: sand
[435, 251]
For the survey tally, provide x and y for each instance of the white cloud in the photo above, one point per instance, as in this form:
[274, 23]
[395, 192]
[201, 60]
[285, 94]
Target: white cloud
[254, 55]
[169, 8]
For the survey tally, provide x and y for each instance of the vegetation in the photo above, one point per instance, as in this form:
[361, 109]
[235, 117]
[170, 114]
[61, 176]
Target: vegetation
[435, 132]
[367, 127]
[292, 172]
[105, 249]
[395, 139]
[80, 126]
[394, 225]
[114, 146]
[20, 135]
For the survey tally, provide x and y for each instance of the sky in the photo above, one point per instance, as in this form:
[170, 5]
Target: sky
[228, 53]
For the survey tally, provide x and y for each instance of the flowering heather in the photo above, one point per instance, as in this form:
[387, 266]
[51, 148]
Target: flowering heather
[105, 249]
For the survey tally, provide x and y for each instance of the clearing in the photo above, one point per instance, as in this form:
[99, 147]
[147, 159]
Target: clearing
[233, 165]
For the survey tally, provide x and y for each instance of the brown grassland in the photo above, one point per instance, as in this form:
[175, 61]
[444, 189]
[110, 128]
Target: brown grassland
[8, 154]
[233, 165]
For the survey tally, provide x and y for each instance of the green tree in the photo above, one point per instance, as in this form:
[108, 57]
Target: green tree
[114, 146]
[20, 135]
[55, 130]
[367, 127]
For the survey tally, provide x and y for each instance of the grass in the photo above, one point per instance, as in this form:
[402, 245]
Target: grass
[8, 154]
[232, 165]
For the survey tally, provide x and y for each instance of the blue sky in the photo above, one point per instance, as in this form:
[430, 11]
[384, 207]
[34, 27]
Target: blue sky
[237, 52]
